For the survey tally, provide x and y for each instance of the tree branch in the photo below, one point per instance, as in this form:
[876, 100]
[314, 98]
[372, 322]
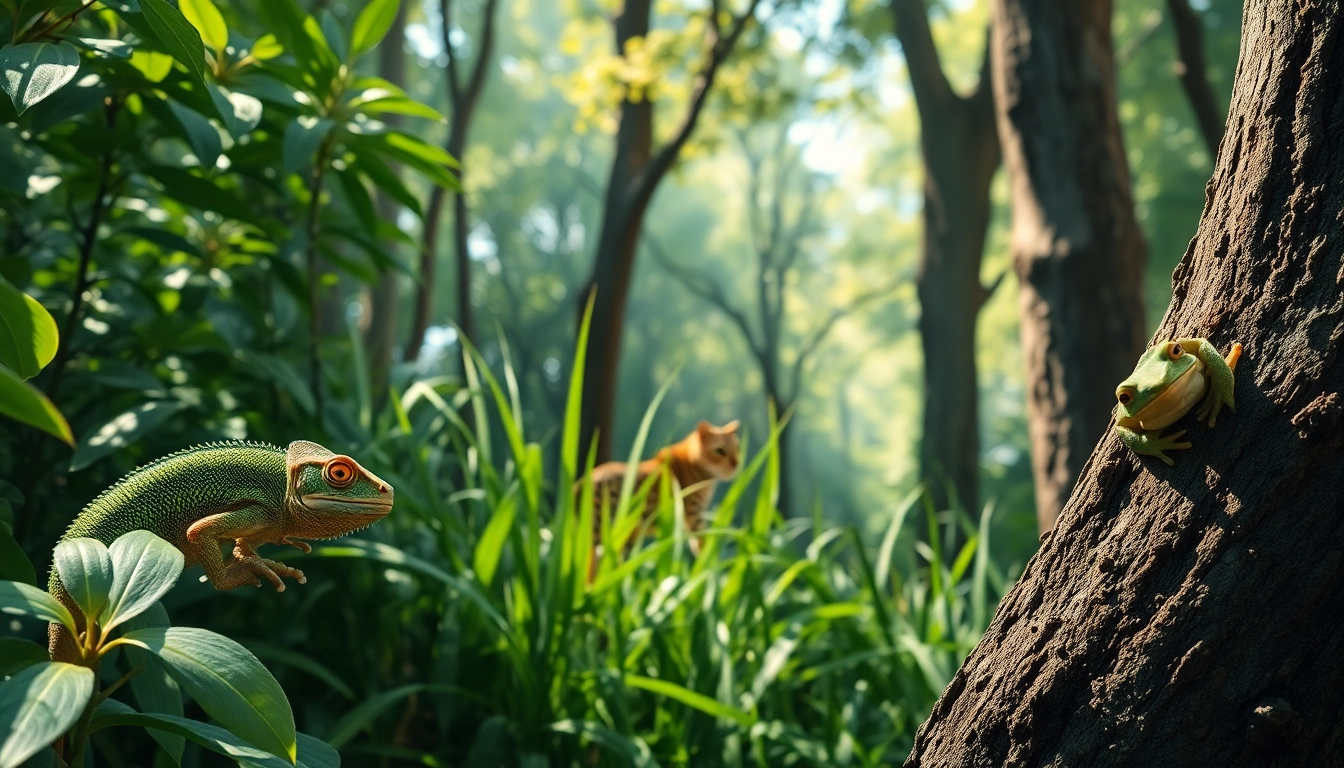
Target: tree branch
[1194, 75]
[719, 49]
[819, 335]
[927, 79]
[704, 288]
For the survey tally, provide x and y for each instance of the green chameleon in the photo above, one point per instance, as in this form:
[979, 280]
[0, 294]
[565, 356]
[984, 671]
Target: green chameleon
[1167, 382]
[247, 493]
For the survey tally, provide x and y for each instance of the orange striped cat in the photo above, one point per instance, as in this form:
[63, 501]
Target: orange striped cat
[701, 459]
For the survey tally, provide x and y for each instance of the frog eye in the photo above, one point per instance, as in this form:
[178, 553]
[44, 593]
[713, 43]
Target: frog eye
[1125, 396]
[339, 472]
[1175, 351]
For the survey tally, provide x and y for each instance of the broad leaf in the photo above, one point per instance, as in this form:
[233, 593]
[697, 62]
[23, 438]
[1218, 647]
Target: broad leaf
[190, 189]
[240, 111]
[154, 689]
[266, 48]
[206, 18]
[312, 753]
[30, 72]
[303, 135]
[177, 36]
[26, 600]
[201, 135]
[144, 567]
[39, 704]
[227, 681]
[153, 65]
[22, 401]
[122, 431]
[85, 569]
[28, 335]
[17, 654]
[371, 26]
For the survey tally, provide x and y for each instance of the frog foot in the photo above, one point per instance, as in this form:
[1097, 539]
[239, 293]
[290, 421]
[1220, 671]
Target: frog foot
[1156, 445]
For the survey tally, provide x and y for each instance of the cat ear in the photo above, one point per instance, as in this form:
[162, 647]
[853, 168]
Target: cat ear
[730, 427]
[704, 427]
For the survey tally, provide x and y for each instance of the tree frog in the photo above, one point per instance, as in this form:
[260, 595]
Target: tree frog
[1167, 382]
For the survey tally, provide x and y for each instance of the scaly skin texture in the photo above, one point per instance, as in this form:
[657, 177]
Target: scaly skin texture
[247, 493]
[1165, 385]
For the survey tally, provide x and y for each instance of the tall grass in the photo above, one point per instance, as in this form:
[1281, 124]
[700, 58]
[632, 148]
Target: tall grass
[480, 640]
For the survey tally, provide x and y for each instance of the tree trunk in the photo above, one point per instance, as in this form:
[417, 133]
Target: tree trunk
[464, 100]
[1077, 247]
[1193, 73]
[381, 336]
[636, 172]
[1191, 615]
[961, 152]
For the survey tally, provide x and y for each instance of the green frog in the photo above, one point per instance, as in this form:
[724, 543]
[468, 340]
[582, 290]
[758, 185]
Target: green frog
[1167, 382]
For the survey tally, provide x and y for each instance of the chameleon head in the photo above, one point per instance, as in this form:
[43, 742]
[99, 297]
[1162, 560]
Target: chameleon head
[330, 495]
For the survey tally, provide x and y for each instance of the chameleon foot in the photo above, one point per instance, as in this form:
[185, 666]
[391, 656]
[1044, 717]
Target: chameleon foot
[252, 569]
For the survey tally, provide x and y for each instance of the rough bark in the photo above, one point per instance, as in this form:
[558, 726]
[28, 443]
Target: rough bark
[385, 306]
[463, 102]
[1077, 248]
[636, 171]
[1190, 615]
[961, 153]
[1194, 75]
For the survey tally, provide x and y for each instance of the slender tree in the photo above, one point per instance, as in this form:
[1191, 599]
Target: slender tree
[1194, 74]
[381, 334]
[1189, 615]
[463, 98]
[637, 168]
[961, 153]
[1077, 247]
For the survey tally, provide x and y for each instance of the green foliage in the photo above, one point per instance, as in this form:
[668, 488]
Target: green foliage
[111, 586]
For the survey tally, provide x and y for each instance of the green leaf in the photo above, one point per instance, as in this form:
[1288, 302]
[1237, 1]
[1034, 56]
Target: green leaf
[272, 654]
[86, 573]
[201, 135]
[280, 371]
[384, 178]
[115, 48]
[241, 112]
[692, 699]
[17, 654]
[177, 36]
[197, 192]
[21, 401]
[228, 682]
[153, 65]
[371, 26]
[122, 431]
[144, 568]
[368, 710]
[14, 564]
[335, 36]
[39, 704]
[206, 18]
[266, 48]
[303, 135]
[312, 753]
[419, 148]
[30, 72]
[154, 689]
[493, 539]
[28, 335]
[18, 599]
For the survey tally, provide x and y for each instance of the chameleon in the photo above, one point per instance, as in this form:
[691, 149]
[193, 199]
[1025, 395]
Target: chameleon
[244, 492]
[1166, 383]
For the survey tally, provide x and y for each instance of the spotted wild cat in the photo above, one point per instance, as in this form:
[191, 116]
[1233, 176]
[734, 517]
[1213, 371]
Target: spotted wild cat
[704, 457]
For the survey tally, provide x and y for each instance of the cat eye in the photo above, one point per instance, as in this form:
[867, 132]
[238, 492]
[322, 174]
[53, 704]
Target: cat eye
[339, 473]
[720, 451]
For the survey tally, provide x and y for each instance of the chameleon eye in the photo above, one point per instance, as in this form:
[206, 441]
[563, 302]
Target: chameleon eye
[1175, 351]
[339, 473]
